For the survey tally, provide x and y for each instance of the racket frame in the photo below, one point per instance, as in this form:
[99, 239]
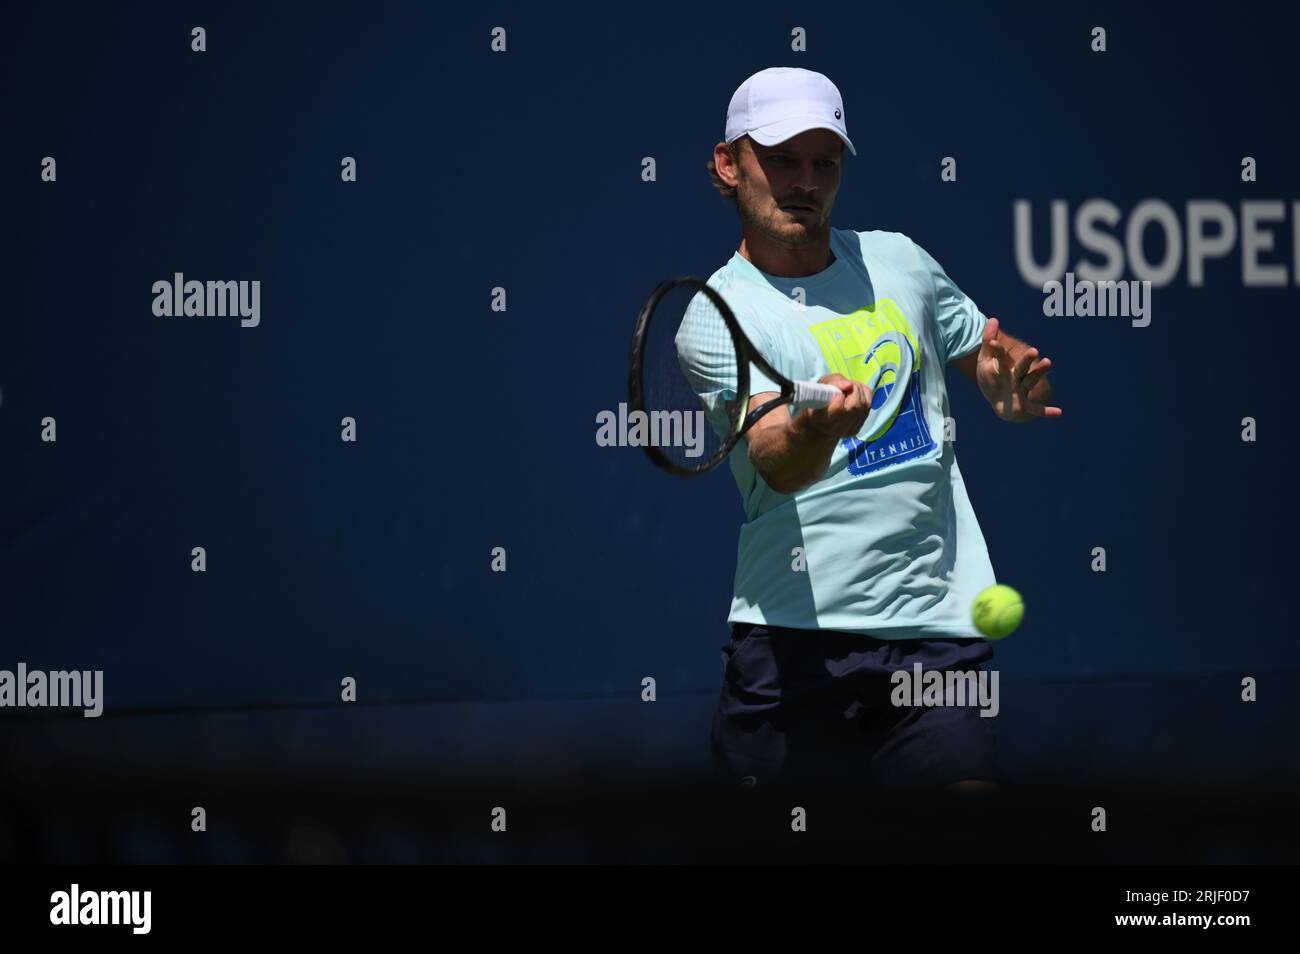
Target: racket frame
[740, 417]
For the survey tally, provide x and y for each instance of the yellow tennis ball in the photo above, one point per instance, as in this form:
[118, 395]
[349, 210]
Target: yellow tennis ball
[997, 611]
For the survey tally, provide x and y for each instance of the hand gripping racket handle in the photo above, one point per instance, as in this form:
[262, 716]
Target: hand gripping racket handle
[812, 394]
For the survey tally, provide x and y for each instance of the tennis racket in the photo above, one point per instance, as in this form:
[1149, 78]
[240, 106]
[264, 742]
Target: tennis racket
[689, 379]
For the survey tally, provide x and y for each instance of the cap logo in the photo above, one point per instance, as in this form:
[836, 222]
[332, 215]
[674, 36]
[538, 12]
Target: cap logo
[837, 114]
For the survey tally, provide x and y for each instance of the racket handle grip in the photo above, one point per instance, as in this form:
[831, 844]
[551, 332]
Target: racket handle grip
[813, 394]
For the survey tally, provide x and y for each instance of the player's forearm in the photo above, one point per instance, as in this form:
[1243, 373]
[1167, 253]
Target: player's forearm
[791, 455]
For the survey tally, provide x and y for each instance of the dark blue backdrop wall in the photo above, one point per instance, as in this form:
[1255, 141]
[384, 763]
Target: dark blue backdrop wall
[476, 428]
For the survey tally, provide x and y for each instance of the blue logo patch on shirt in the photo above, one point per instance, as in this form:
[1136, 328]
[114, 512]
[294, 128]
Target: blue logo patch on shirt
[873, 345]
[908, 437]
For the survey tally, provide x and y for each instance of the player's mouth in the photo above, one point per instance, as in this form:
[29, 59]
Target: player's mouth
[798, 209]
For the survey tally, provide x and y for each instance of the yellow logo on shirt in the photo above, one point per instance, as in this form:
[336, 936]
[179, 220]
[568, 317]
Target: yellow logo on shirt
[864, 346]
[847, 342]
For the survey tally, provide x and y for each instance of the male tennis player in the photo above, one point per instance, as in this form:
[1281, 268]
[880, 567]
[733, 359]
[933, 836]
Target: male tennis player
[860, 555]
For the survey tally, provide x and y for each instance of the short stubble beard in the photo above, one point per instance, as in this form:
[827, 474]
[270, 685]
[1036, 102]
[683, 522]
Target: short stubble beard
[790, 235]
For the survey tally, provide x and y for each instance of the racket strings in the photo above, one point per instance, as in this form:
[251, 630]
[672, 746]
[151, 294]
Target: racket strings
[689, 381]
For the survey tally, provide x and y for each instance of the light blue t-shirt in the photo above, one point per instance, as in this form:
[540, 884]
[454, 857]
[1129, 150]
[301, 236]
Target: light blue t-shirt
[890, 543]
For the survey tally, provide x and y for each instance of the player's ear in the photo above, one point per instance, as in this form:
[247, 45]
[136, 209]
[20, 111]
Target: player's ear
[726, 157]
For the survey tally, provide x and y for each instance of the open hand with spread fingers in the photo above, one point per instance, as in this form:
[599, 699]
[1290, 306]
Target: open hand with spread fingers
[1015, 384]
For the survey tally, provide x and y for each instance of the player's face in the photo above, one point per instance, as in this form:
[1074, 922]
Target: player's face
[787, 190]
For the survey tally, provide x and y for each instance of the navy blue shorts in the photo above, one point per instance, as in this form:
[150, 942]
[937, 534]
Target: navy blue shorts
[801, 706]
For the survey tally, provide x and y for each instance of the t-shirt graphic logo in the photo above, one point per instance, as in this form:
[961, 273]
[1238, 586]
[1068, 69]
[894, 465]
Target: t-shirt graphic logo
[868, 346]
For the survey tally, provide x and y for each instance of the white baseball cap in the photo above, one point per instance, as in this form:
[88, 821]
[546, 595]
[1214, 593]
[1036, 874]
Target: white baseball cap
[780, 102]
